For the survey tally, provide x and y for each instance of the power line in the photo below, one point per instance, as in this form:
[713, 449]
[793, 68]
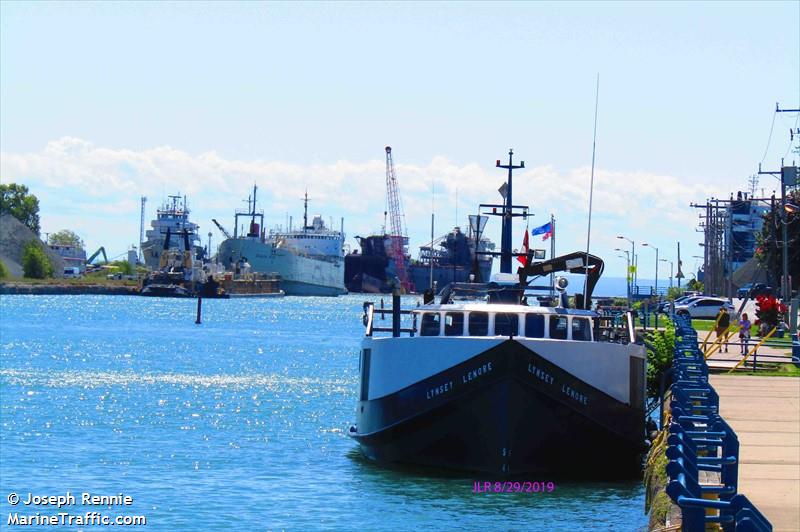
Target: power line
[769, 140]
[794, 131]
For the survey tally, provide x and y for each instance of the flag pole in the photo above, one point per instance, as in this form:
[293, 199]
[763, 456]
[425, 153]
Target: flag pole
[552, 252]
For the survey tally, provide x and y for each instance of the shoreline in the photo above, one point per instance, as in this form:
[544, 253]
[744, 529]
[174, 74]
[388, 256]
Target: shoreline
[61, 288]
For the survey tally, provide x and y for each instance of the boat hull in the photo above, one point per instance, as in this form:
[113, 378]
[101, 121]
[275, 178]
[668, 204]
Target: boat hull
[505, 411]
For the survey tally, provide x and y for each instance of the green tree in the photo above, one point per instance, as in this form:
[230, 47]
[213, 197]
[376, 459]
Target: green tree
[19, 203]
[695, 285]
[770, 242]
[3, 270]
[35, 263]
[65, 237]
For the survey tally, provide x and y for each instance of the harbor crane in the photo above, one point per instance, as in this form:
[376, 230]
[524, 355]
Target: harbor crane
[398, 235]
[94, 255]
[222, 229]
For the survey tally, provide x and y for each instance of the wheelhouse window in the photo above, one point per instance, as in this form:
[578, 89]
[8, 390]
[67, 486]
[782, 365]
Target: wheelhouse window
[581, 329]
[478, 323]
[454, 324]
[430, 324]
[534, 326]
[558, 327]
[506, 324]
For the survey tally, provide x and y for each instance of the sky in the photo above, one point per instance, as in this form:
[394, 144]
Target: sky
[102, 103]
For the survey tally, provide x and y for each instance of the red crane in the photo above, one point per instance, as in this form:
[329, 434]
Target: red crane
[396, 216]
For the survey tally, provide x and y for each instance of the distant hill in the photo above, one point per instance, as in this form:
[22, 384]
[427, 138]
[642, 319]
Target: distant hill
[14, 236]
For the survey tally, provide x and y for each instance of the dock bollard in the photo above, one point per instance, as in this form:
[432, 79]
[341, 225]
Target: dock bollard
[395, 312]
[199, 309]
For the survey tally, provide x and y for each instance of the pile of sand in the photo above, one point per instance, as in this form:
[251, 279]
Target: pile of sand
[14, 236]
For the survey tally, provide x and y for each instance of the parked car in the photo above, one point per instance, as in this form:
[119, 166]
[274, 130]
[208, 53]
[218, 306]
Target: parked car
[744, 291]
[704, 307]
[664, 306]
[753, 290]
[72, 272]
[760, 289]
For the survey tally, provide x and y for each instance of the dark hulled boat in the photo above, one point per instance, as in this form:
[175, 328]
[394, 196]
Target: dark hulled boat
[486, 379]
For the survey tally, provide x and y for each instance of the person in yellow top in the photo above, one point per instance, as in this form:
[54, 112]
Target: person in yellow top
[723, 322]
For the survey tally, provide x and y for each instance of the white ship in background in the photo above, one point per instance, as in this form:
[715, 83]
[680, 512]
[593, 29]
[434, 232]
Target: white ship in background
[309, 261]
[173, 215]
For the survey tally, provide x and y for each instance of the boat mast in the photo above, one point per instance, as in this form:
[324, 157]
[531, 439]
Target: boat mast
[305, 212]
[253, 212]
[505, 243]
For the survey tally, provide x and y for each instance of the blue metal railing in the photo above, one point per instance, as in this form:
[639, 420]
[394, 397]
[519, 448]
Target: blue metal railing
[701, 441]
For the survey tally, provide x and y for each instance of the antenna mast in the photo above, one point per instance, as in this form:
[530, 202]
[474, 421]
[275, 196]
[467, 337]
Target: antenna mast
[587, 303]
[305, 211]
[141, 230]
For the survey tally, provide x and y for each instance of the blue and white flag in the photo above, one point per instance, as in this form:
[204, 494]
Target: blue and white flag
[546, 230]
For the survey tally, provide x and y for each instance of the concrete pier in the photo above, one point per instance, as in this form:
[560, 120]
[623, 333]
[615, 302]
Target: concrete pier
[765, 414]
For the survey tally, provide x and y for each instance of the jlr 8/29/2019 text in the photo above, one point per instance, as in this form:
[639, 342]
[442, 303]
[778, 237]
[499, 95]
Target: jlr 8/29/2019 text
[513, 487]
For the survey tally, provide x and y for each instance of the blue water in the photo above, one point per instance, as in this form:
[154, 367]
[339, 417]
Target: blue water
[236, 423]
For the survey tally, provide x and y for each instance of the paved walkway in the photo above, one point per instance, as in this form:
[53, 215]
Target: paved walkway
[727, 360]
[765, 413]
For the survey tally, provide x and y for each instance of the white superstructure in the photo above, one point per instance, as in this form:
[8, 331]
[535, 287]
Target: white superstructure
[173, 215]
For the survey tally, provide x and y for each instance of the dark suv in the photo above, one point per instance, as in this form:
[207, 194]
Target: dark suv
[760, 289]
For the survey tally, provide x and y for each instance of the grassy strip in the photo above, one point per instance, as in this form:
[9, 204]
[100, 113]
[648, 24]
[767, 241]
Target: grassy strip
[708, 325]
[83, 281]
[784, 370]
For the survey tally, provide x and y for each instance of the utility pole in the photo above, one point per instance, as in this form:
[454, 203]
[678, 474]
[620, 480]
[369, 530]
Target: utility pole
[788, 176]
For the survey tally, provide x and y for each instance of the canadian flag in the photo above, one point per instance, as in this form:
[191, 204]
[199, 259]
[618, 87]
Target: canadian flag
[524, 258]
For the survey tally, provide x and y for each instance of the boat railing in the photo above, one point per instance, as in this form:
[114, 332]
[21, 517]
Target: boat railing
[395, 311]
[701, 442]
[614, 329]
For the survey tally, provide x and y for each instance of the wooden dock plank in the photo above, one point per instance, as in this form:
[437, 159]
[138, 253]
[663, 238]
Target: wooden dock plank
[765, 413]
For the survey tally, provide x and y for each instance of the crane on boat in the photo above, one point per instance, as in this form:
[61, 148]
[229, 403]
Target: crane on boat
[398, 235]
[222, 229]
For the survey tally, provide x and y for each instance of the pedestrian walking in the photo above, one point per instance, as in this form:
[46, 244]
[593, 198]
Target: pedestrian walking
[723, 322]
[744, 332]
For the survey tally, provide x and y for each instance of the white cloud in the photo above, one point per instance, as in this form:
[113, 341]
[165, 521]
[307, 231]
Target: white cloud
[96, 189]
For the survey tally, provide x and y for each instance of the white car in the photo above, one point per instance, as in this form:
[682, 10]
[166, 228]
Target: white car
[704, 307]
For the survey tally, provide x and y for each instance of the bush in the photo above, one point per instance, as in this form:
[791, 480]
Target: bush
[35, 263]
[123, 266]
[674, 293]
[3, 270]
[660, 350]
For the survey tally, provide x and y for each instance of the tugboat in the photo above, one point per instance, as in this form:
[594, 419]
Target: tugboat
[180, 275]
[172, 217]
[488, 379]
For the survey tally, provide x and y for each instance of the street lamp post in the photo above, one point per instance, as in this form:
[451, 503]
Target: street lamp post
[627, 271]
[633, 261]
[671, 270]
[656, 281]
